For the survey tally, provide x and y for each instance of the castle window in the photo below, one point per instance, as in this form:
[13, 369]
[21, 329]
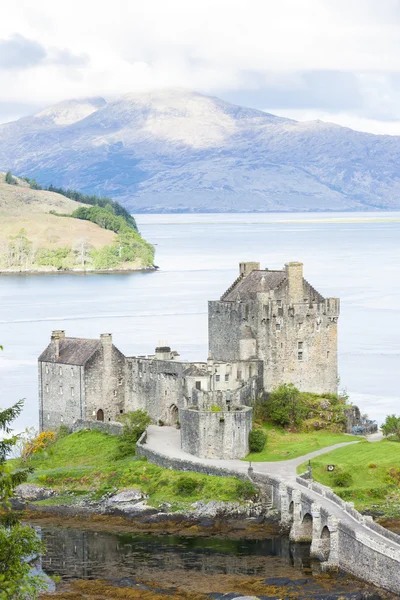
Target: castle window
[166, 392]
[198, 385]
[226, 377]
[48, 417]
[60, 370]
[239, 375]
[72, 371]
[279, 303]
[72, 391]
[115, 393]
[47, 369]
[121, 412]
[61, 389]
[300, 355]
[120, 380]
[47, 387]
[277, 326]
[327, 354]
[300, 345]
[217, 377]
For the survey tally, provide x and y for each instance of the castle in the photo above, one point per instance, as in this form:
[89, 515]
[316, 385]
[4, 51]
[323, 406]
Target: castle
[270, 327]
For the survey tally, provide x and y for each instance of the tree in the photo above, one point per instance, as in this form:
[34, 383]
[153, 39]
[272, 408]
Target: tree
[19, 544]
[392, 426]
[10, 179]
[284, 406]
[135, 423]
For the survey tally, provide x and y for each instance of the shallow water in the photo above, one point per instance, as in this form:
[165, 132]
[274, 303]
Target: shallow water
[355, 257]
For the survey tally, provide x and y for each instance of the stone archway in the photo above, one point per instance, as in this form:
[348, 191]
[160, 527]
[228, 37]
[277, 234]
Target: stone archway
[291, 510]
[325, 543]
[173, 414]
[100, 415]
[306, 528]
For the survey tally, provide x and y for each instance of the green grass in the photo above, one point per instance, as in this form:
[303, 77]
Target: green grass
[373, 486]
[284, 445]
[84, 463]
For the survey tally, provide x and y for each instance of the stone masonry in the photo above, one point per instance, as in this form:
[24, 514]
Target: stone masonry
[269, 327]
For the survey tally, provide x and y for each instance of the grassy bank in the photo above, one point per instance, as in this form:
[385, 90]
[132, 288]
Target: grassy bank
[83, 463]
[375, 471]
[284, 445]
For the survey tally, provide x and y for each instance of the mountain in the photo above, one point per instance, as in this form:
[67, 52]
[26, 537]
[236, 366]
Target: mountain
[178, 150]
[39, 233]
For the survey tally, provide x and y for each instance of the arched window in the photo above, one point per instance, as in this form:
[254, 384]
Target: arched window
[100, 415]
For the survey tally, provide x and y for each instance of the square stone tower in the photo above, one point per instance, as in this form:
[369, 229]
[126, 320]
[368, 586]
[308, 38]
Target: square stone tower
[280, 318]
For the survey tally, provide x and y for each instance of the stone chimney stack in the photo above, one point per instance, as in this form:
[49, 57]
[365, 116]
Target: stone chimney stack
[56, 336]
[294, 271]
[106, 339]
[247, 267]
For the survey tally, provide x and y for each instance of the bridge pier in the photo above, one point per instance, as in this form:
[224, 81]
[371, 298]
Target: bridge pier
[286, 517]
[331, 541]
[296, 531]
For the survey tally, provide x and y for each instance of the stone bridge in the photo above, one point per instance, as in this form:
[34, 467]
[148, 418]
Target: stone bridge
[341, 538]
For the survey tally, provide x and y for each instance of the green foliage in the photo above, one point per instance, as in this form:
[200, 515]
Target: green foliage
[342, 479]
[128, 247]
[245, 490]
[10, 179]
[391, 426]
[284, 407]
[185, 485]
[19, 544]
[257, 440]
[33, 184]
[105, 258]
[215, 408]
[20, 253]
[59, 257]
[135, 423]
[62, 432]
[102, 217]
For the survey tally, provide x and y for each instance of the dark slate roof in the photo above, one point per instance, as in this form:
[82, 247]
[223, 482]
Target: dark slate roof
[257, 281]
[196, 371]
[73, 351]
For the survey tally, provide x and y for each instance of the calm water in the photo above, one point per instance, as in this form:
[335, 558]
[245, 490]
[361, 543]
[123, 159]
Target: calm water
[198, 257]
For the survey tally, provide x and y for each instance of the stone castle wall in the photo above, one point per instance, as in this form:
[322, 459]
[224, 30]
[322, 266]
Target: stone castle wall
[60, 395]
[209, 434]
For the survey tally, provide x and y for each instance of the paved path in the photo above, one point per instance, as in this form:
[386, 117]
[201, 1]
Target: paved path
[166, 440]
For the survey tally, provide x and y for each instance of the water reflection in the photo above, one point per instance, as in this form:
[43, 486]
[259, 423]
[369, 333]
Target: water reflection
[76, 554]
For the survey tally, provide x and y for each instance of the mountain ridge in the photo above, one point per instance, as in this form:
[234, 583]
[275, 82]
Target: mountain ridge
[181, 151]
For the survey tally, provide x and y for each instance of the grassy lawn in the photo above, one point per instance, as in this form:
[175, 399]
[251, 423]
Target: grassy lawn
[375, 468]
[283, 445]
[83, 464]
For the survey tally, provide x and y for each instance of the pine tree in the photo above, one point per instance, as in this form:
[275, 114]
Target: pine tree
[18, 543]
[10, 179]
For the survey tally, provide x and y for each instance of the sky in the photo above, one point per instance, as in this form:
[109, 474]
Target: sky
[334, 60]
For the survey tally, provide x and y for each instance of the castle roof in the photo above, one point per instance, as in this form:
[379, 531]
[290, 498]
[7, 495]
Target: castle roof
[196, 371]
[73, 351]
[247, 288]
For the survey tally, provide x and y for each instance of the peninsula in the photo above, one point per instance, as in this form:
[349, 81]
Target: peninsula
[65, 231]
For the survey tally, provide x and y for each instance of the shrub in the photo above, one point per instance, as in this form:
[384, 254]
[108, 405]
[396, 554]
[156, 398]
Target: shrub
[245, 490]
[343, 479]
[62, 432]
[391, 426]
[215, 408]
[135, 423]
[372, 465]
[185, 485]
[257, 440]
[40, 442]
[285, 406]
[10, 179]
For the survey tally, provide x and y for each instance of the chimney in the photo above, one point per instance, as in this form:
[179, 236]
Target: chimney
[106, 339]
[247, 267]
[294, 271]
[163, 351]
[56, 336]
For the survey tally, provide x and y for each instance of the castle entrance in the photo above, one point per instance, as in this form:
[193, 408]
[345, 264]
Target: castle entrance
[173, 414]
[100, 415]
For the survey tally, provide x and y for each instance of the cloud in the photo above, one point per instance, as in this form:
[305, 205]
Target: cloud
[20, 53]
[336, 57]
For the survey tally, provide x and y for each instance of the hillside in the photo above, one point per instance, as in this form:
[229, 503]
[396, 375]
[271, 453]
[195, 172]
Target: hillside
[33, 239]
[177, 150]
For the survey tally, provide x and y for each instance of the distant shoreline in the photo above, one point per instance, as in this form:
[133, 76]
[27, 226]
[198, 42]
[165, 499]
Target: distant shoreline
[80, 271]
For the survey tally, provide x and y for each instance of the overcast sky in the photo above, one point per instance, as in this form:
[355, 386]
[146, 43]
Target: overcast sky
[336, 60]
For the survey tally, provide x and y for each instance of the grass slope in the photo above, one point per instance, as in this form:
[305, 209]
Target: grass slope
[83, 463]
[24, 208]
[375, 468]
[284, 445]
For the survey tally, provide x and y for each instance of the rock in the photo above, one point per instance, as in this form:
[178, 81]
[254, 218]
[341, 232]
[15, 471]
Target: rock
[127, 496]
[31, 492]
[214, 509]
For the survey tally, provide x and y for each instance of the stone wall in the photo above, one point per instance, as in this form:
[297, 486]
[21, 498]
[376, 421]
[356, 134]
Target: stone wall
[60, 395]
[222, 435]
[112, 427]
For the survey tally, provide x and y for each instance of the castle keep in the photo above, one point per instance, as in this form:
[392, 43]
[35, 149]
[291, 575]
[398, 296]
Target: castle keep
[270, 327]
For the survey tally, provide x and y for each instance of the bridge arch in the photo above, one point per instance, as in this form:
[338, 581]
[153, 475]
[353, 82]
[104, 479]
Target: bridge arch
[306, 528]
[325, 543]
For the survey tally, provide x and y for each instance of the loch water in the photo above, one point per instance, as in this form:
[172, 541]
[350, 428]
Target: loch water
[353, 256]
